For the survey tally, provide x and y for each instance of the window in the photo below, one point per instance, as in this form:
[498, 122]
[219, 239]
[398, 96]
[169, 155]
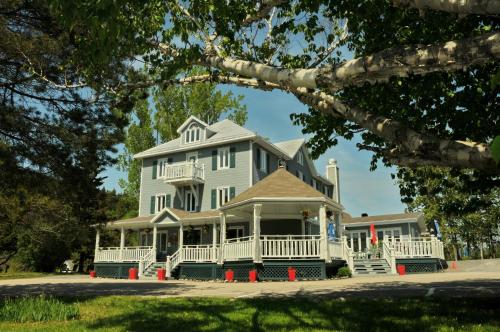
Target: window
[190, 201]
[263, 161]
[234, 232]
[223, 158]
[222, 196]
[161, 202]
[162, 163]
[314, 184]
[192, 134]
[300, 175]
[300, 158]
[146, 239]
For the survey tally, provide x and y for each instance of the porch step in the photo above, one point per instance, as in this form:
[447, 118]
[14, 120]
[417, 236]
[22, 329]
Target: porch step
[151, 270]
[371, 267]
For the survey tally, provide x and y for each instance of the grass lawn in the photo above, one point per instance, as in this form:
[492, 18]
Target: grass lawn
[21, 275]
[131, 313]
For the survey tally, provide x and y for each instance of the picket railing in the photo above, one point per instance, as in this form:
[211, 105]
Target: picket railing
[180, 171]
[241, 248]
[199, 253]
[347, 253]
[335, 249]
[417, 247]
[117, 254]
[290, 246]
[389, 255]
[146, 261]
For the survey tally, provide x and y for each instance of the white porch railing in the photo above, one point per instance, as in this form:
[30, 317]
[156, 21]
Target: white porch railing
[115, 254]
[417, 248]
[336, 249]
[388, 254]
[290, 246]
[199, 253]
[173, 261]
[241, 248]
[146, 261]
[183, 171]
[347, 254]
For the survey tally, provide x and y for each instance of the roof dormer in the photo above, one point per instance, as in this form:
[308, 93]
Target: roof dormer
[193, 130]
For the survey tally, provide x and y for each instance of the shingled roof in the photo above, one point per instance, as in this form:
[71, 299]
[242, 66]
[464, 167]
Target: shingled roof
[279, 184]
[381, 217]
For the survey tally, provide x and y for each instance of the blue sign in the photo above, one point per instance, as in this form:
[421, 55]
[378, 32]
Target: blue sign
[438, 232]
[331, 231]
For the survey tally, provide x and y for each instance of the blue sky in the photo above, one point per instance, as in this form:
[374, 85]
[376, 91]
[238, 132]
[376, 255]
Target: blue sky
[360, 190]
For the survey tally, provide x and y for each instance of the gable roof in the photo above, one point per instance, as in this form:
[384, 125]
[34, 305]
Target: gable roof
[224, 131]
[291, 147]
[280, 184]
[188, 121]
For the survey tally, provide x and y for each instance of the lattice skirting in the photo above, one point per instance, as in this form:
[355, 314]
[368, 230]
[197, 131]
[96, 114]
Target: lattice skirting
[421, 265]
[113, 270]
[306, 270]
[200, 271]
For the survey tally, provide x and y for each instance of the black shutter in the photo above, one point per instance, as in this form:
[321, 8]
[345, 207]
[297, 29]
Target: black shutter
[168, 200]
[258, 158]
[152, 206]
[232, 157]
[214, 198]
[268, 163]
[155, 166]
[214, 160]
[232, 192]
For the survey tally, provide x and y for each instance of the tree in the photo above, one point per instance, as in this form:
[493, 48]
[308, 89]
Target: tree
[295, 46]
[171, 106]
[57, 135]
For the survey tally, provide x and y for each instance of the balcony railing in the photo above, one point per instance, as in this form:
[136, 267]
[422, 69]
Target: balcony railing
[183, 173]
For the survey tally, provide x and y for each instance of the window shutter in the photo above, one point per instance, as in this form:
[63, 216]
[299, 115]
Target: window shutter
[214, 160]
[268, 163]
[232, 157]
[167, 200]
[232, 192]
[152, 206]
[155, 167]
[214, 198]
[258, 158]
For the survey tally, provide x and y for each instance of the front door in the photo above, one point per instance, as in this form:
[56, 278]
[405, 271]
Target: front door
[358, 240]
[162, 244]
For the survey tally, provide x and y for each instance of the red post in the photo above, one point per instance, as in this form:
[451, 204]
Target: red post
[454, 265]
[92, 274]
[133, 273]
[292, 274]
[161, 273]
[401, 269]
[229, 275]
[252, 275]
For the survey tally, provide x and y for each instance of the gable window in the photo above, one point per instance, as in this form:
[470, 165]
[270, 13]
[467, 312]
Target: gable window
[223, 158]
[300, 158]
[263, 160]
[161, 202]
[192, 134]
[190, 201]
[222, 196]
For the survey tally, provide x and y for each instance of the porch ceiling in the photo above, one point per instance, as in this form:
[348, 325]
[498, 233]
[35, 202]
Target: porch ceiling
[292, 209]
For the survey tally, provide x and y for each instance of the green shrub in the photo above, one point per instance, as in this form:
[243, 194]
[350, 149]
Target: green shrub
[344, 272]
[36, 309]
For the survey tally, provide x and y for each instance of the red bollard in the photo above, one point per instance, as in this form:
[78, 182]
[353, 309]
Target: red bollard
[292, 274]
[401, 269]
[161, 273]
[454, 265]
[92, 274]
[132, 273]
[252, 275]
[229, 275]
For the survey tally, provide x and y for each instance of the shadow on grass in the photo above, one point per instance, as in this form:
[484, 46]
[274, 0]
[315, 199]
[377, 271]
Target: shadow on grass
[266, 314]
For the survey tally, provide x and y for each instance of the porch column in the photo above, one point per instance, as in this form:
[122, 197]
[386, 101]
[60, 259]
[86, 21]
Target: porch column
[214, 241]
[222, 236]
[257, 257]
[322, 232]
[122, 242]
[155, 230]
[303, 226]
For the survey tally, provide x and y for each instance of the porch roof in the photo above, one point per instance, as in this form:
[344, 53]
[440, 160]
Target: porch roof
[415, 217]
[280, 186]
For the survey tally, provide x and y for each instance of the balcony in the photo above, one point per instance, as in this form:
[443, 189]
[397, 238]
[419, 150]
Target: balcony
[181, 174]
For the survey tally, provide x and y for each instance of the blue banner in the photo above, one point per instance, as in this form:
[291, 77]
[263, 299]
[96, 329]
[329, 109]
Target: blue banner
[331, 231]
[438, 232]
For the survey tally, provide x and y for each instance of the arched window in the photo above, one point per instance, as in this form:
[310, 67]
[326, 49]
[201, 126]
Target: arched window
[193, 133]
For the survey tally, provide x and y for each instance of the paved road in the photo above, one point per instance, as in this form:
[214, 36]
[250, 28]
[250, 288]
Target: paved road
[455, 284]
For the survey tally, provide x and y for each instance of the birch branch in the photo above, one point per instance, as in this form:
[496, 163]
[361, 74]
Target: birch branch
[482, 7]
